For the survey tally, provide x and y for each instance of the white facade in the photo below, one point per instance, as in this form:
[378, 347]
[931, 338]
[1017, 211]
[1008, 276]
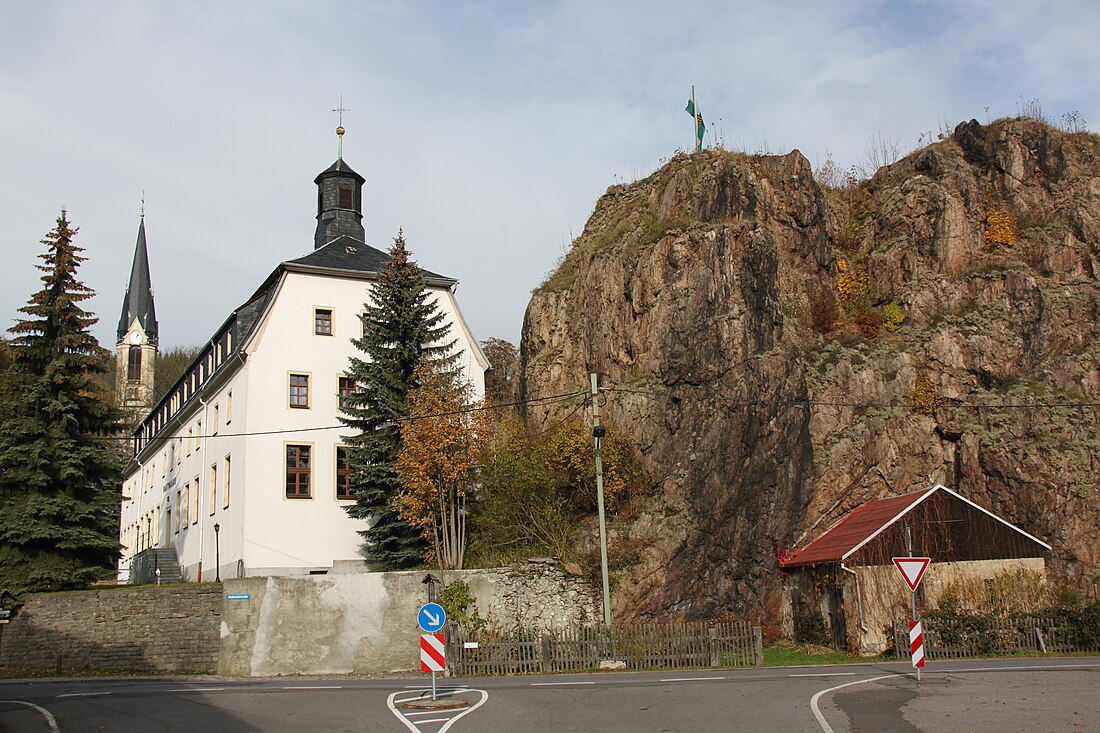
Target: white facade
[214, 451]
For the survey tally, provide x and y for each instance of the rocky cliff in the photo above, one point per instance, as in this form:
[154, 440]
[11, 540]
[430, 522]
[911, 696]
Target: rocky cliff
[781, 353]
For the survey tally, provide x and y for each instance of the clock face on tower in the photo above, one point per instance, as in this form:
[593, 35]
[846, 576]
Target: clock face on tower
[135, 337]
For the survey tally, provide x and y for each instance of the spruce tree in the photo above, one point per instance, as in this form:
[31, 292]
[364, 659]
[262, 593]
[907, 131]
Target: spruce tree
[402, 327]
[59, 480]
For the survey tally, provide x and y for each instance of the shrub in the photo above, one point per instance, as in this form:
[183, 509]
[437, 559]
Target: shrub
[892, 317]
[1000, 226]
[851, 281]
[926, 396]
[456, 600]
[809, 626]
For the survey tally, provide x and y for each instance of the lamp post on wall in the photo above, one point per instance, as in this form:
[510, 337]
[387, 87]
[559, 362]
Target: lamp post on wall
[217, 554]
[430, 581]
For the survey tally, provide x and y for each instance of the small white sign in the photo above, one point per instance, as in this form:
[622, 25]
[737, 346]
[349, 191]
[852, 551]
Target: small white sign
[469, 645]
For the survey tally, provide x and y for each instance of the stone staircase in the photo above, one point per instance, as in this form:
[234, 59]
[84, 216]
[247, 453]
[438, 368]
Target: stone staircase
[143, 568]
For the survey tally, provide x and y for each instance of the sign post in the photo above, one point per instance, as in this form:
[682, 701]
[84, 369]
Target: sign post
[433, 649]
[912, 570]
[433, 655]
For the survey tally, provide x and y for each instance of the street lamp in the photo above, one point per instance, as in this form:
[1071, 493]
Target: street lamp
[430, 581]
[217, 554]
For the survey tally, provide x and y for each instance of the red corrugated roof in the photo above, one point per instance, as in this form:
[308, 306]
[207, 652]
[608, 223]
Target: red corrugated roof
[856, 529]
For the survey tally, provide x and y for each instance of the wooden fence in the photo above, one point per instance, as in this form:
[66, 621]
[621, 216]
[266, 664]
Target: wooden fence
[639, 646]
[970, 637]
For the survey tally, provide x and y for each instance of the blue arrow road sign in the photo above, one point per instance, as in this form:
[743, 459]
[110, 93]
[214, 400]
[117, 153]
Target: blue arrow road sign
[431, 617]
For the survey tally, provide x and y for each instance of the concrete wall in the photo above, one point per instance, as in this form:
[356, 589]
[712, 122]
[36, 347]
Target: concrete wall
[366, 622]
[172, 628]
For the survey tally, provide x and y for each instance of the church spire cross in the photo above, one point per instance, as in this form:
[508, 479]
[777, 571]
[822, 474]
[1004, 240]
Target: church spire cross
[340, 128]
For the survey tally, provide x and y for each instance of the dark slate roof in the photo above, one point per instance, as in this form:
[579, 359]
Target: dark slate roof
[868, 521]
[138, 302]
[338, 167]
[345, 254]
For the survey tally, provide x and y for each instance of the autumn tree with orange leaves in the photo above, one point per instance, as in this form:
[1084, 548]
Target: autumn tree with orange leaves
[445, 440]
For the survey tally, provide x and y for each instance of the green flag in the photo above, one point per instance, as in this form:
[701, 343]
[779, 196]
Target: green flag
[700, 128]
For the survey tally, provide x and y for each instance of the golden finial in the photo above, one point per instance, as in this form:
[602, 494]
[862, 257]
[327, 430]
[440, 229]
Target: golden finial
[340, 128]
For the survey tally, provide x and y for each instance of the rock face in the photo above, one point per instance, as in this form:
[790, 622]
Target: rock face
[736, 309]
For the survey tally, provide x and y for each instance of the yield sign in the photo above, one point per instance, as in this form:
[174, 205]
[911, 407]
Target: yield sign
[912, 569]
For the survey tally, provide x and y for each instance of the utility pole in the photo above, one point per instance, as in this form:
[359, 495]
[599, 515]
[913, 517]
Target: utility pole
[598, 431]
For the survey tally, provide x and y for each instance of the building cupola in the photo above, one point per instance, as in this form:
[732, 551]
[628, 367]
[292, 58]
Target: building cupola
[339, 202]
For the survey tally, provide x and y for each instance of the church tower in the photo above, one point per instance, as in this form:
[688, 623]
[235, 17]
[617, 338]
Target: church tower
[136, 348]
[339, 202]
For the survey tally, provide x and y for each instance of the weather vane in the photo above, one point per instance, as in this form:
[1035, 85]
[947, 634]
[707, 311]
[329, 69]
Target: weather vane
[340, 128]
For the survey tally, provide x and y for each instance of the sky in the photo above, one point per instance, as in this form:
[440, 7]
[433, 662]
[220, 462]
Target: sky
[486, 130]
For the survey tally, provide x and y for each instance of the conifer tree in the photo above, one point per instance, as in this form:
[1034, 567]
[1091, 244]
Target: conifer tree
[59, 481]
[402, 328]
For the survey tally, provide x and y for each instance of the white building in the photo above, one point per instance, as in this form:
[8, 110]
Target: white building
[240, 464]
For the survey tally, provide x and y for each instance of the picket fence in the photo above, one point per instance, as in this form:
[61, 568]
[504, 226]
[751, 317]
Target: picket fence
[639, 646]
[1000, 635]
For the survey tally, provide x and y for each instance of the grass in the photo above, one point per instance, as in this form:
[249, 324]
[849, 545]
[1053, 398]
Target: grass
[786, 654]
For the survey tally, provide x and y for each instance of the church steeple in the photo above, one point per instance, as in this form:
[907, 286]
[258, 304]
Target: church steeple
[339, 202]
[136, 348]
[138, 302]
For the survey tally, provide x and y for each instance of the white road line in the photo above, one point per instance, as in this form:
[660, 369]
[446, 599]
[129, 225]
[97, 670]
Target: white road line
[50, 720]
[426, 712]
[314, 687]
[411, 725]
[1012, 669]
[83, 694]
[198, 689]
[690, 679]
[817, 711]
[823, 674]
[559, 684]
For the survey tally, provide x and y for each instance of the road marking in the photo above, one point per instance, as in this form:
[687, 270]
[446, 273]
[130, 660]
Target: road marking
[50, 720]
[817, 711]
[1011, 669]
[314, 687]
[559, 684]
[690, 679]
[447, 722]
[823, 674]
[426, 712]
[83, 694]
[198, 689]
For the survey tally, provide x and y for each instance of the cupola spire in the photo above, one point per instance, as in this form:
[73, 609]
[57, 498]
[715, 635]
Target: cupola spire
[339, 199]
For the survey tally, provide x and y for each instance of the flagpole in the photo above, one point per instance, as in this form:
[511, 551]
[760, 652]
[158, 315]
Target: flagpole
[694, 120]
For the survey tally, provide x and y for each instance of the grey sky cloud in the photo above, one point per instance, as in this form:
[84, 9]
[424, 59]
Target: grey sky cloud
[487, 130]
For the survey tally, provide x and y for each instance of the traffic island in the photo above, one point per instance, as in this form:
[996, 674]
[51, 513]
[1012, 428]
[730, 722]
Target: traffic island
[450, 703]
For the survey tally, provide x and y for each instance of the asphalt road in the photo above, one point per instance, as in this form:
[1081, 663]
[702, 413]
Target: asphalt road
[969, 695]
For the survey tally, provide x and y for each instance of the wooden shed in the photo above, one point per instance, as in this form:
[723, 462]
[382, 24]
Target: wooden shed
[847, 574]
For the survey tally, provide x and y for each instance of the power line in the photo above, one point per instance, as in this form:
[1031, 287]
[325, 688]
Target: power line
[955, 405]
[548, 399]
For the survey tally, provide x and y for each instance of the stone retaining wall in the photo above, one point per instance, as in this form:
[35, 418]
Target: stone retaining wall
[339, 623]
[174, 628]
